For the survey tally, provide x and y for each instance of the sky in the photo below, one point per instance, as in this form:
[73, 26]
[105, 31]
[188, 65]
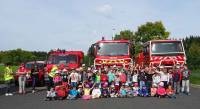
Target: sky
[43, 25]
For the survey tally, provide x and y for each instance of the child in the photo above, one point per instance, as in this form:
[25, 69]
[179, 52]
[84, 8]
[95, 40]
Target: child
[135, 89]
[129, 91]
[154, 90]
[73, 93]
[80, 91]
[86, 92]
[113, 92]
[135, 77]
[156, 79]
[122, 92]
[170, 92]
[105, 92]
[143, 92]
[61, 91]
[161, 90]
[117, 83]
[96, 92]
[57, 78]
[51, 95]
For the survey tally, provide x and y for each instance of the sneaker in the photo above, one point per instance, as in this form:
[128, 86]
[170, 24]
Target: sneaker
[10, 94]
[33, 91]
[188, 94]
[6, 94]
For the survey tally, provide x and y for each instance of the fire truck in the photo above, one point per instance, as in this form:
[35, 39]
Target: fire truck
[71, 59]
[111, 52]
[165, 53]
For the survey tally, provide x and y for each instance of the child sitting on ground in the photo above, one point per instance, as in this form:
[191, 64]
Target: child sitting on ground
[113, 92]
[105, 91]
[143, 92]
[122, 92]
[135, 89]
[86, 91]
[61, 91]
[153, 90]
[96, 92]
[51, 95]
[72, 94]
[129, 91]
[161, 90]
[170, 92]
[80, 91]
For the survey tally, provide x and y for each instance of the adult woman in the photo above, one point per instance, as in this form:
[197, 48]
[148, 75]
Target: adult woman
[22, 79]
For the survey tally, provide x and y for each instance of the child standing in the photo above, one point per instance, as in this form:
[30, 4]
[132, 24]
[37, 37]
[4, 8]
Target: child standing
[57, 78]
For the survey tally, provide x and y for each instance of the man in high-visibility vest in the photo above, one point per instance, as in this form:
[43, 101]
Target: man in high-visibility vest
[8, 77]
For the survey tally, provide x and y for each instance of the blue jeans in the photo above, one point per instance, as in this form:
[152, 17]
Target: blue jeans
[22, 83]
[142, 83]
[73, 84]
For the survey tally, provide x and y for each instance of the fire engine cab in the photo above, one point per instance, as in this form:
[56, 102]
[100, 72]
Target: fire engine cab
[71, 59]
[111, 52]
[162, 52]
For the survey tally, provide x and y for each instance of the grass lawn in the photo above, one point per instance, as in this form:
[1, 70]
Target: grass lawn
[195, 77]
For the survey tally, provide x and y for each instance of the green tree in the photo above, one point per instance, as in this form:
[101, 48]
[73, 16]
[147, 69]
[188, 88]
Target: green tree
[151, 31]
[126, 35]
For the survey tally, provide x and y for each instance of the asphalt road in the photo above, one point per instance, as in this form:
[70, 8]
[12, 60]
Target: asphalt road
[36, 101]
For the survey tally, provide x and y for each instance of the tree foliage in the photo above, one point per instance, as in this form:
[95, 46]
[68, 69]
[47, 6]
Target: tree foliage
[192, 49]
[126, 35]
[15, 57]
[151, 31]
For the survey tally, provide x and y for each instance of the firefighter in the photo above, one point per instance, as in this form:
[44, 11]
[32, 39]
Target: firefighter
[8, 77]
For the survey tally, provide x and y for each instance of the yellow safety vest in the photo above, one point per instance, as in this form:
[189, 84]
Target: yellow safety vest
[8, 74]
[53, 71]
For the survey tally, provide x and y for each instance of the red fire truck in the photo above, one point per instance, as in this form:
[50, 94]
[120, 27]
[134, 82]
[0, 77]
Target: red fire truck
[71, 59]
[111, 52]
[162, 52]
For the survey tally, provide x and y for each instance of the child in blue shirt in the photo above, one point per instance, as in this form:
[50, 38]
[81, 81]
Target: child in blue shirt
[72, 94]
[122, 92]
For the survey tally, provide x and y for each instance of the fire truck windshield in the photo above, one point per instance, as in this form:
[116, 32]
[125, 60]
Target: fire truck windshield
[166, 47]
[62, 59]
[112, 49]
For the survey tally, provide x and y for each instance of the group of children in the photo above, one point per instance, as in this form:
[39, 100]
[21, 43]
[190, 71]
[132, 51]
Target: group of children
[108, 82]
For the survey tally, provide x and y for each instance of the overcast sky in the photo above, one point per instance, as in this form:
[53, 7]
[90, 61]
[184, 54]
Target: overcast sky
[76, 24]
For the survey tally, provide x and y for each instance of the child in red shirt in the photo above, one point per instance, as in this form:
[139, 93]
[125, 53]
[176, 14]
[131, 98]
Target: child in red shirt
[161, 90]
